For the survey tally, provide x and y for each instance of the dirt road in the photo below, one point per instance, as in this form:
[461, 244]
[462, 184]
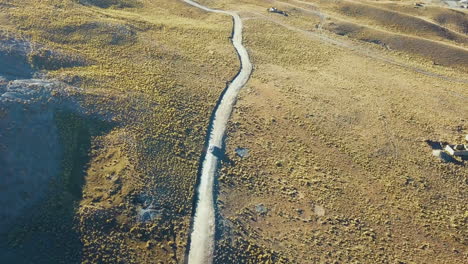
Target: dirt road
[202, 237]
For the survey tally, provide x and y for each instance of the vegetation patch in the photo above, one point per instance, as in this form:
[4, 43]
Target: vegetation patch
[20, 58]
[111, 3]
[436, 52]
[392, 20]
[44, 59]
[76, 134]
[102, 33]
[456, 19]
[149, 68]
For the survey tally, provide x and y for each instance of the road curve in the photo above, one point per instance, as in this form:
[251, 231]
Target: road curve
[203, 228]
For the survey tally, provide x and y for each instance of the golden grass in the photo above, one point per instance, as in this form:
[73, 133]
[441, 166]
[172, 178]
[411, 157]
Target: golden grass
[456, 20]
[337, 132]
[438, 53]
[394, 21]
[150, 66]
[329, 128]
[159, 68]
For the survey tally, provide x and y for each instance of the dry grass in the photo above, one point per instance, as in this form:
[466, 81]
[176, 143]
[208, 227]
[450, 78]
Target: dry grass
[336, 133]
[337, 152]
[110, 3]
[436, 52]
[394, 21]
[336, 139]
[147, 66]
[456, 20]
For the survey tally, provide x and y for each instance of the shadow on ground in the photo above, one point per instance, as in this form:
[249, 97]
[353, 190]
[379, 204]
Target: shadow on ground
[45, 144]
[45, 232]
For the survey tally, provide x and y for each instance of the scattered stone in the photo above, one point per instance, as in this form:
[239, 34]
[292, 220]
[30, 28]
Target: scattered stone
[149, 215]
[319, 210]
[261, 209]
[242, 152]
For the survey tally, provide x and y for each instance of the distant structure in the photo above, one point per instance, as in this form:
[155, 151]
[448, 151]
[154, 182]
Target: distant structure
[448, 152]
[457, 150]
[277, 11]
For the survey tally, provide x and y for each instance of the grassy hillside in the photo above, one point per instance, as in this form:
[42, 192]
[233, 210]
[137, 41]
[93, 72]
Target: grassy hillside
[337, 157]
[400, 22]
[335, 117]
[438, 53]
[145, 64]
[338, 170]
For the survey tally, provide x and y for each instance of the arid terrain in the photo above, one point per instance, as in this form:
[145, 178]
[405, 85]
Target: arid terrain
[105, 107]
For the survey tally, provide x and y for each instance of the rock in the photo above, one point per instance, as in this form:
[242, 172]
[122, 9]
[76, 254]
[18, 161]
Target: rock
[242, 152]
[261, 209]
[3, 84]
[218, 152]
[29, 133]
[319, 210]
[14, 58]
[149, 215]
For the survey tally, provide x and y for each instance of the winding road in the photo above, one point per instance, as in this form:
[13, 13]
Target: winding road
[201, 246]
[203, 228]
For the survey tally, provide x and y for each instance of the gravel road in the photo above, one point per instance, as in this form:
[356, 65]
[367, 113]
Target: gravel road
[203, 229]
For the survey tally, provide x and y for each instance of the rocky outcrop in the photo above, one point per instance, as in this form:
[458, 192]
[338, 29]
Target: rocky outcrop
[30, 149]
